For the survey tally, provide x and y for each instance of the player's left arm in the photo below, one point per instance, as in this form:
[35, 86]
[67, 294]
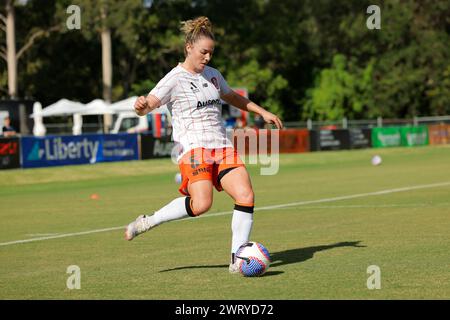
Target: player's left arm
[235, 99]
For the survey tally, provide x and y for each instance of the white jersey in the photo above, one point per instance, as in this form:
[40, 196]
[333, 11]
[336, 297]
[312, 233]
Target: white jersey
[196, 108]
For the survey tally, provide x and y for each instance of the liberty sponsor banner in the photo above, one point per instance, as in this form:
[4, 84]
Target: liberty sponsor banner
[414, 136]
[386, 137]
[59, 150]
[83, 149]
[360, 138]
[9, 153]
[119, 147]
[323, 140]
[439, 133]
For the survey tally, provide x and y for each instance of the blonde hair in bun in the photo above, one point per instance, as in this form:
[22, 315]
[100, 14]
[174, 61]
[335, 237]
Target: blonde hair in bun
[195, 29]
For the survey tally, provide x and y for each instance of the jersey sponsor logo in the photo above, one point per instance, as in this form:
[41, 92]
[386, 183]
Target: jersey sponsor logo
[201, 170]
[215, 82]
[202, 104]
[194, 162]
[194, 88]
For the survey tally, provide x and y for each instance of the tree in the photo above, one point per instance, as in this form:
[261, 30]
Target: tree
[340, 91]
[311, 58]
[123, 22]
[9, 54]
[261, 83]
[404, 62]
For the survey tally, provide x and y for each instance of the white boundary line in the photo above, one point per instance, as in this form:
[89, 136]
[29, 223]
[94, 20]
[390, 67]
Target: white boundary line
[64, 235]
[368, 206]
[300, 203]
[41, 234]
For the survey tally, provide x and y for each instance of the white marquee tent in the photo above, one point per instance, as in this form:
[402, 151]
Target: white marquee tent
[65, 107]
[62, 107]
[97, 106]
[127, 105]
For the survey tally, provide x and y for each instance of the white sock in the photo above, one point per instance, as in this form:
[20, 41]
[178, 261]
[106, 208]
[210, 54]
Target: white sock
[175, 210]
[241, 226]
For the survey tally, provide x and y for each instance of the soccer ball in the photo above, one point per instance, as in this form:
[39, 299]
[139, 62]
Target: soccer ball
[254, 259]
[376, 160]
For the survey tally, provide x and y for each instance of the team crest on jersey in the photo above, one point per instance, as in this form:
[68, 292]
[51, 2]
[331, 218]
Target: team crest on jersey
[215, 82]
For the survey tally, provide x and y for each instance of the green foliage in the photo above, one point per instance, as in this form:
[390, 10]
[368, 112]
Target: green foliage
[3, 82]
[340, 91]
[142, 88]
[439, 93]
[261, 84]
[300, 59]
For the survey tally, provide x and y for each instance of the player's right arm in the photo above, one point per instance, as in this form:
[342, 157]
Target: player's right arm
[161, 94]
[144, 105]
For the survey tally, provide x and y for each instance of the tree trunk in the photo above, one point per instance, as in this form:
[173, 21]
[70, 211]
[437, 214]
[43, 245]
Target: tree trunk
[11, 49]
[107, 68]
[107, 64]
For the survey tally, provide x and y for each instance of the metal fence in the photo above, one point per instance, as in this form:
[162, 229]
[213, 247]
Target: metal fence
[366, 123]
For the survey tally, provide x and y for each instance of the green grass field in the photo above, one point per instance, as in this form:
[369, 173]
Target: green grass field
[320, 249]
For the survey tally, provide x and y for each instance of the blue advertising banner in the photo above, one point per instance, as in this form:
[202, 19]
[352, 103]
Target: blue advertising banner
[83, 149]
[119, 147]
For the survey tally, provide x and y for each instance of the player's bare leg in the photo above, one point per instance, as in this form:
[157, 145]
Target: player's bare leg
[202, 196]
[198, 202]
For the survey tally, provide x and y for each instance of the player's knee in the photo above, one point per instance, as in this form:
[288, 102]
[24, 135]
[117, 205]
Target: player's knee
[200, 206]
[245, 196]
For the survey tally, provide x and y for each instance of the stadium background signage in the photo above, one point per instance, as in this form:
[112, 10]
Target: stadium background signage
[9, 153]
[386, 137]
[414, 136]
[400, 136]
[360, 138]
[338, 139]
[294, 140]
[439, 133]
[155, 147]
[83, 149]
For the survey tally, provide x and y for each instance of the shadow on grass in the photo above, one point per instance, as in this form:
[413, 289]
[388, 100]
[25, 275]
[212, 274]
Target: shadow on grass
[302, 254]
[283, 257]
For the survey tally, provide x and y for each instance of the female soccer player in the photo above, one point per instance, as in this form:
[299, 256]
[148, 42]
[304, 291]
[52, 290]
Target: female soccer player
[193, 91]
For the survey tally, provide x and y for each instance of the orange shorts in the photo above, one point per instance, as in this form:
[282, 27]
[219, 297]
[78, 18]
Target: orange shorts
[207, 164]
